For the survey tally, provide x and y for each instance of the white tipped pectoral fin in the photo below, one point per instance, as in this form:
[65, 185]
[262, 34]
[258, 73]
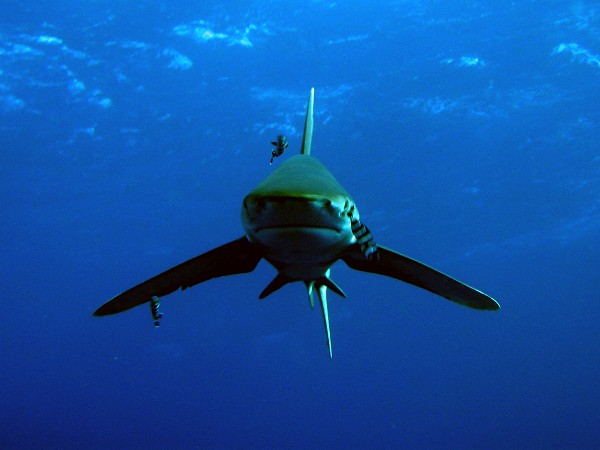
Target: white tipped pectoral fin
[323, 298]
[392, 264]
[239, 256]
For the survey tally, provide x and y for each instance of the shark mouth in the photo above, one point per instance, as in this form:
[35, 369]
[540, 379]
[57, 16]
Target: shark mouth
[280, 213]
[297, 226]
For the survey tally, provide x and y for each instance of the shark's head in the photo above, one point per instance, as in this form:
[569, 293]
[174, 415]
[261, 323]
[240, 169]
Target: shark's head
[302, 208]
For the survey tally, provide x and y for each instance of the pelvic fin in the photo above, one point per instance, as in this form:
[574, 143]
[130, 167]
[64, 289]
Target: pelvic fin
[278, 282]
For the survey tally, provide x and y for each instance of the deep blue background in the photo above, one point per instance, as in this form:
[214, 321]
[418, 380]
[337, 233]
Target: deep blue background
[468, 134]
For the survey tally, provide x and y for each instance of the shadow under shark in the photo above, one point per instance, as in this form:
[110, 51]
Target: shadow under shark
[302, 221]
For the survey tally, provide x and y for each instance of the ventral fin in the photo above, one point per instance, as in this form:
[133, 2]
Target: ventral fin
[326, 281]
[278, 282]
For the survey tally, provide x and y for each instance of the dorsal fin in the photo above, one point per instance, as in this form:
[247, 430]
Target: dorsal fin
[308, 124]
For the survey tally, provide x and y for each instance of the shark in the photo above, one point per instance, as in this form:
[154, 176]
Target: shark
[301, 221]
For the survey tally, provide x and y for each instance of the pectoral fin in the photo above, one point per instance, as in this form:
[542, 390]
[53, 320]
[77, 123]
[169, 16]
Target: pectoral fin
[392, 264]
[239, 256]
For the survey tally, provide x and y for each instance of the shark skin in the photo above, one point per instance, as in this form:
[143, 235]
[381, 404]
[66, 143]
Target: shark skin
[302, 221]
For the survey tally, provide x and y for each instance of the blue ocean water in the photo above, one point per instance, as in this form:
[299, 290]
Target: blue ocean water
[467, 133]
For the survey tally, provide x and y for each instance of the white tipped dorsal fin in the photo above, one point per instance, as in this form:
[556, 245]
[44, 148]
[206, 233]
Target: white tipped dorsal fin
[308, 124]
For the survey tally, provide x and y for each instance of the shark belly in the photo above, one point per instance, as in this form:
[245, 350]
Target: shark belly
[302, 253]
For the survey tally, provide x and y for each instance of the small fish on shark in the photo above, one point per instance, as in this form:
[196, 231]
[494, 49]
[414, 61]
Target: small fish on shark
[302, 221]
[280, 145]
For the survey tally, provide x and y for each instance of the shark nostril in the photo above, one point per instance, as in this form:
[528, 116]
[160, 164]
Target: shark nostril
[348, 208]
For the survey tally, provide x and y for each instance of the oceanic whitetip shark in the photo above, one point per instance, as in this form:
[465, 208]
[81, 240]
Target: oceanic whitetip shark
[302, 221]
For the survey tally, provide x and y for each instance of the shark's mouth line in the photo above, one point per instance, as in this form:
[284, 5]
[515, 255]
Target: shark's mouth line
[298, 225]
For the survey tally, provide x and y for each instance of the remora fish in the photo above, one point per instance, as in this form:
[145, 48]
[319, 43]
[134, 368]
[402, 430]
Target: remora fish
[302, 221]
